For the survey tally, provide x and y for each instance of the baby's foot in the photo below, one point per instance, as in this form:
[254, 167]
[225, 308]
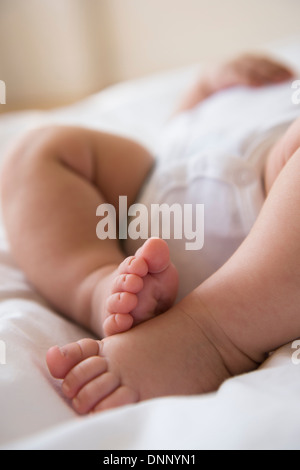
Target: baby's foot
[171, 354]
[142, 287]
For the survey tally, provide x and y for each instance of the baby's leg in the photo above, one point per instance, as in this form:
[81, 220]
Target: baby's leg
[249, 307]
[263, 276]
[52, 183]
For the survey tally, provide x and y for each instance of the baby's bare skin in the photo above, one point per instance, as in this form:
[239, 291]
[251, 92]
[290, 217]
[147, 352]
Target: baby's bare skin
[168, 355]
[142, 287]
[225, 327]
[183, 351]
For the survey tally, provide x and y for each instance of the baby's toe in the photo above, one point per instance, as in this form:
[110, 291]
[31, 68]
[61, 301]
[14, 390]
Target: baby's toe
[155, 252]
[121, 302]
[127, 283]
[134, 265]
[95, 391]
[83, 373]
[61, 360]
[117, 323]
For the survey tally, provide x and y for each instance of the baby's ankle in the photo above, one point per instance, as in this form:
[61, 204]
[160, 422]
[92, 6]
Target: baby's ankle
[90, 295]
[234, 359]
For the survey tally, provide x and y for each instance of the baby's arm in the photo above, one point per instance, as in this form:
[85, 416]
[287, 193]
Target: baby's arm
[247, 70]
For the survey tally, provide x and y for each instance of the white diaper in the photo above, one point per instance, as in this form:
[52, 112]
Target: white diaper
[215, 155]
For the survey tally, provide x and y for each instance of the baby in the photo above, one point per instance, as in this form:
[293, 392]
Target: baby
[52, 182]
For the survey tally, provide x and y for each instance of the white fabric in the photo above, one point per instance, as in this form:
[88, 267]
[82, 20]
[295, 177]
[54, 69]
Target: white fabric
[257, 410]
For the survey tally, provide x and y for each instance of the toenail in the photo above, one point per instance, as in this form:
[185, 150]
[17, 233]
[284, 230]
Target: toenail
[63, 351]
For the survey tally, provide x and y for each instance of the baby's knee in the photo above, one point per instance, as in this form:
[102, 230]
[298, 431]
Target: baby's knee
[19, 159]
[27, 145]
[39, 142]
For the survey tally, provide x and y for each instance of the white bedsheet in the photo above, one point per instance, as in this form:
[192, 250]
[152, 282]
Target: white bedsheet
[259, 410]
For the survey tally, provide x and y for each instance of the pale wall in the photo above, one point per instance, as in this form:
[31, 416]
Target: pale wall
[56, 51]
[153, 34]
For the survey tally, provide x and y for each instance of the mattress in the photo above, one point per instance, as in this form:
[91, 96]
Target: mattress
[258, 410]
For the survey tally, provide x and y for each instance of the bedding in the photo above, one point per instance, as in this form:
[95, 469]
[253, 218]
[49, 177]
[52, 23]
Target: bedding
[258, 410]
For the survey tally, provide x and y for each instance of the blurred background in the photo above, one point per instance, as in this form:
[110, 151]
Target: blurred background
[55, 52]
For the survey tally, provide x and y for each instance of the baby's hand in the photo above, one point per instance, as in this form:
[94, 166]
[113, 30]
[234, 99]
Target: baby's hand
[250, 70]
[247, 70]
